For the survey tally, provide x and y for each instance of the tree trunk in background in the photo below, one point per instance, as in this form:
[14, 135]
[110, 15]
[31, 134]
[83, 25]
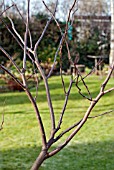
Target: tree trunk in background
[111, 60]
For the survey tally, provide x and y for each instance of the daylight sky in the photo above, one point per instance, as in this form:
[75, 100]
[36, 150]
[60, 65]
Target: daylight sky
[40, 6]
[37, 5]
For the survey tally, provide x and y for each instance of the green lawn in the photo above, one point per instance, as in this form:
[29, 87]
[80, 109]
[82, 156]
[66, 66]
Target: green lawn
[91, 149]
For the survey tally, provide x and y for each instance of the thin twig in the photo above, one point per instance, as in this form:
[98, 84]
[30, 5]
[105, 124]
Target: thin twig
[9, 73]
[101, 114]
[55, 57]
[11, 33]
[93, 70]
[73, 5]
[107, 79]
[76, 124]
[109, 90]
[10, 58]
[65, 104]
[37, 82]
[42, 35]
[53, 14]
[74, 13]
[25, 24]
[47, 92]
[63, 38]
[43, 32]
[79, 75]
[67, 130]
[18, 35]
[4, 11]
[3, 118]
[2, 123]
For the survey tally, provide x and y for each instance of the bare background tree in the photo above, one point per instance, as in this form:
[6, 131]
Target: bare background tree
[112, 34]
[30, 52]
[99, 7]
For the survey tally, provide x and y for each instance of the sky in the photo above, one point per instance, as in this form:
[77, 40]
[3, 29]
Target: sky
[40, 6]
[61, 14]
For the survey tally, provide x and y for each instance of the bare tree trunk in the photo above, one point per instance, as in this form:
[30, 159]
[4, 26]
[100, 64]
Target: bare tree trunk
[40, 159]
[111, 60]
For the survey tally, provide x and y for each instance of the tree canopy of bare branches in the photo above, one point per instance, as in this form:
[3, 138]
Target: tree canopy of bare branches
[30, 52]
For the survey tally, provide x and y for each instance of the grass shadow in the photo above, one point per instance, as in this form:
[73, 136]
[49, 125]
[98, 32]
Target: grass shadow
[17, 98]
[77, 156]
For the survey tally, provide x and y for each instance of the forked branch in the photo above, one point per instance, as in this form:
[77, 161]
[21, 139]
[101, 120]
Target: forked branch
[86, 116]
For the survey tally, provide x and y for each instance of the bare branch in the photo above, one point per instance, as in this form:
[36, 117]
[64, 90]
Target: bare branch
[13, 27]
[79, 75]
[67, 130]
[92, 71]
[69, 55]
[10, 58]
[4, 11]
[18, 10]
[76, 124]
[61, 41]
[81, 123]
[47, 92]
[13, 35]
[42, 130]
[84, 119]
[53, 14]
[25, 24]
[25, 37]
[9, 73]
[43, 32]
[70, 10]
[101, 114]
[2, 123]
[109, 90]
[55, 58]
[11, 32]
[37, 82]
[62, 80]
[39, 40]
[60, 47]
[65, 104]
[107, 79]
[74, 13]
[18, 35]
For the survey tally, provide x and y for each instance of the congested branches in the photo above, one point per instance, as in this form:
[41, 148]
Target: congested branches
[30, 52]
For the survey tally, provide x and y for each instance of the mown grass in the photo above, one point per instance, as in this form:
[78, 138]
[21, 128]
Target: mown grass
[91, 149]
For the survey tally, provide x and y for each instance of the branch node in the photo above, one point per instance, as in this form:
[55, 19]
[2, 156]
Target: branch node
[23, 70]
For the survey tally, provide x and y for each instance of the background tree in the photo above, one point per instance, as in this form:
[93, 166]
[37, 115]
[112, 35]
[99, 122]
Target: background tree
[112, 34]
[99, 7]
[1, 6]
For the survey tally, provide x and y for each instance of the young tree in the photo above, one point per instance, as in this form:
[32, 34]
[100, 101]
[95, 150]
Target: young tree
[30, 52]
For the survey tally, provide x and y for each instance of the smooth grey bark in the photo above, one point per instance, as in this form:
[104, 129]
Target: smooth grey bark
[39, 160]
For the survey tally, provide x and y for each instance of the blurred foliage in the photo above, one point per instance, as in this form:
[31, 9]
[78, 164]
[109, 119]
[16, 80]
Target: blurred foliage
[49, 44]
[46, 53]
[91, 45]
